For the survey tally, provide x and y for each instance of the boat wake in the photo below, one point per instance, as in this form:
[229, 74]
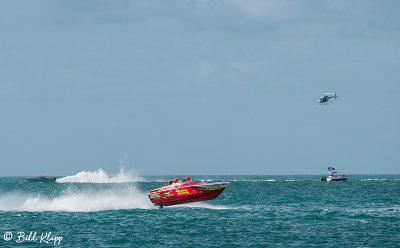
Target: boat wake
[82, 200]
[100, 176]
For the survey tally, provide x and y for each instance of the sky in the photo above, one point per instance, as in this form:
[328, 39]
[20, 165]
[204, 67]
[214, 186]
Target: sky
[199, 87]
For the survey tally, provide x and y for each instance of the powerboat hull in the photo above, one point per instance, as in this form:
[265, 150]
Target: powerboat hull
[333, 179]
[41, 179]
[336, 179]
[180, 193]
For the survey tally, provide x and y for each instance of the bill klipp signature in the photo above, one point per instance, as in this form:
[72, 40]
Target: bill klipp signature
[32, 237]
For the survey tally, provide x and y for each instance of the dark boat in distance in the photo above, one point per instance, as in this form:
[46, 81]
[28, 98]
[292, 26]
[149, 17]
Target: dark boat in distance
[41, 179]
[188, 191]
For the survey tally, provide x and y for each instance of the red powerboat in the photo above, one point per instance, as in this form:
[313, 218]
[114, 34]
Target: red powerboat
[185, 192]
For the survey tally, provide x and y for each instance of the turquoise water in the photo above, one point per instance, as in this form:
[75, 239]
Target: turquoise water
[254, 211]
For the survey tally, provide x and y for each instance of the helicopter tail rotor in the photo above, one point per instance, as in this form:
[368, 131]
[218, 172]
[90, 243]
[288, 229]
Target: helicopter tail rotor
[335, 96]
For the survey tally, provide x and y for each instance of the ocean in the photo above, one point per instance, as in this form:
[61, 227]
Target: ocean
[96, 210]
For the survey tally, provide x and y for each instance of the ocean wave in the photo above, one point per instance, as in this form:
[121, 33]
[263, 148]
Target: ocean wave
[380, 179]
[203, 205]
[376, 211]
[78, 201]
[251, 180]
[100, 176]
[206, 180]
[373, 179]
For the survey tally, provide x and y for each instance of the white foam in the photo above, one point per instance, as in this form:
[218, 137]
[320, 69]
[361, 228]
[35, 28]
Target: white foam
[382, 211]
[380, 179]
[206, 180]
[100, 176]
[72, 201]
[374, 179]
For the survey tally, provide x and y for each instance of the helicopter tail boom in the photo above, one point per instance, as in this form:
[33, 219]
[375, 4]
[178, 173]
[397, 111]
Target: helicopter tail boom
[331, 93]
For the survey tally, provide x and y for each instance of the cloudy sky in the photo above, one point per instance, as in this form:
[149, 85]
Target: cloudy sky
[199, 87]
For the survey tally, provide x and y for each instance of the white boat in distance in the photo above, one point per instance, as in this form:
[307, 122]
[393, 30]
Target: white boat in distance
[333, 177]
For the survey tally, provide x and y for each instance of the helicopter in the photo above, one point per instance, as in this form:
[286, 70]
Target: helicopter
[326, 96]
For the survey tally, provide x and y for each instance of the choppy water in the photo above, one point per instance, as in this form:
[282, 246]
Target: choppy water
[254, 211]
